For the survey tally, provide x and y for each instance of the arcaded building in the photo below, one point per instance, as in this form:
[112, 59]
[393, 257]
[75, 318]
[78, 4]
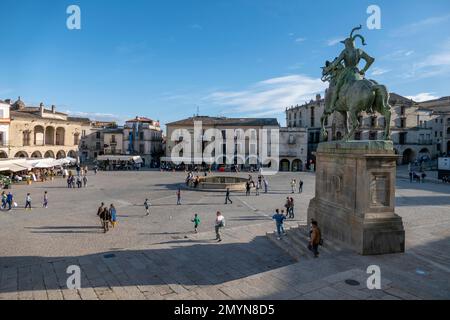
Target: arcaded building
[39, 132]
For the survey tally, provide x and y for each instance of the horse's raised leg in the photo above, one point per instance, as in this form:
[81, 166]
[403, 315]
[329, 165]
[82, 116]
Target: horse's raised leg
[345, 116]
[387, 124]
[354, 122]
[323, 131]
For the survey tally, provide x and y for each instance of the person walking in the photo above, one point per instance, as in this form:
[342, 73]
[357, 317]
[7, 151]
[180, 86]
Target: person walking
[247, 188]
[100, 211]
[300, 186]
[279, 222]
[113, 215]
[411, 176]
[227, 197]
[423, 176]
[287, 205]
[196, 222]
[258, 186]
[45, 202]
[266, 185]
[85, 181]
[293, 184]
[105, 219]
[4, 198]
[179, 197]
[291, 213]
[9, 200]
[147, 205]
[79, 183]
[220, 223]
[28, 202]
[315, 239]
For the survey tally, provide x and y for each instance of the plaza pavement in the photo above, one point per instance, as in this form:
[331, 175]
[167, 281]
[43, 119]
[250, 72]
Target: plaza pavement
[158, 257]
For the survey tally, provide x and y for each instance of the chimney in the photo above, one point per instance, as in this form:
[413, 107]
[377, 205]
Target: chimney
[41, 108]
[53, 109]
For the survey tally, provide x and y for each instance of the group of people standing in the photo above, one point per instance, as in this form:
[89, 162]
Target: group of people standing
[258, 185]
[108, 216]
[294, 186]
[80, 180]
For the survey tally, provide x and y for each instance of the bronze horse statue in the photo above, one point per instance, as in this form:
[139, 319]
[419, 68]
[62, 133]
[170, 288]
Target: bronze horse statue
[355, 96]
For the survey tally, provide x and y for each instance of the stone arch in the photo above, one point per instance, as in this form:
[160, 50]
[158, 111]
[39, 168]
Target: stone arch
[424, 152]
[72, 154]
[61, 154]
[36, 154]
[60, 136]
[39, 135]
[3, 155]
[50, 136]
[21, 154]
[285, 165]
[49, 154]
[408, 156]
[297, 165]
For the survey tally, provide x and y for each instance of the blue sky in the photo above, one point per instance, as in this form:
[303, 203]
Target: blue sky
[163, 59]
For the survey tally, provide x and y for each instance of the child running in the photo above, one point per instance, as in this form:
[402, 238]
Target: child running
[196, 222]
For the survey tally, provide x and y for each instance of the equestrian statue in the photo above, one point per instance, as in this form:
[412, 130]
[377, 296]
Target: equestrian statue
[350, 93]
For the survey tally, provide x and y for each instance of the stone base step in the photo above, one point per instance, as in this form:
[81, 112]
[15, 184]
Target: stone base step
[295, 243]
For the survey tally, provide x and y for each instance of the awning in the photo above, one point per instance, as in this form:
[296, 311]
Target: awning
[16, 168]
[136, 159]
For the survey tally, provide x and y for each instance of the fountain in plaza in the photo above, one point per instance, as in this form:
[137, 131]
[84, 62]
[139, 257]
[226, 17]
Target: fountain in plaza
[220, 183]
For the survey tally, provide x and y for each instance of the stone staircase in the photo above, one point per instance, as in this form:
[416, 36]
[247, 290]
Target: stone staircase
[295, 244]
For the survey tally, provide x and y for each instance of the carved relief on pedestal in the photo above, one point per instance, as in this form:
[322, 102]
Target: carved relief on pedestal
[334, 184]
[379, 190]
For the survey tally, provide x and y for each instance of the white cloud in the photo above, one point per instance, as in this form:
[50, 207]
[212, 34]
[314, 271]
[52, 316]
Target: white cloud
[436, 60]
[299, 40]
[425, 96]
[419, 26]
[435, 64]
[269, 97]
[398, 55]
[334, 41]
[379, 71]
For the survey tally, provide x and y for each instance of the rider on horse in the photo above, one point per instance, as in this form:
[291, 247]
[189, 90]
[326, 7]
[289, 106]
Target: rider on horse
[351, 57]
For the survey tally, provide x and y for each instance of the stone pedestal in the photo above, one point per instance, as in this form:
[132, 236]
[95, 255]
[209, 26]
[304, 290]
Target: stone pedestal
[355, 196]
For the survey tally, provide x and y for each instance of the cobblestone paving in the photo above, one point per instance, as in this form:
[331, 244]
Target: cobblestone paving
[158, 257]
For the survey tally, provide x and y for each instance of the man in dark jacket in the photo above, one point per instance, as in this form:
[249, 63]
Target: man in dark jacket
[227, 197]
[105, 217]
